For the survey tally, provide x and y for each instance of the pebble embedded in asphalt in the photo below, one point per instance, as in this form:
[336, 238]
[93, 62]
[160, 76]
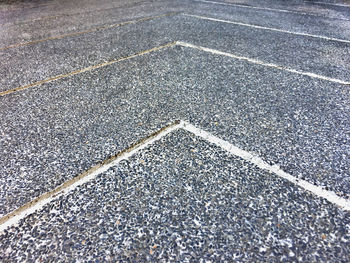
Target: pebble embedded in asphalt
[63, 128]
[182, 199]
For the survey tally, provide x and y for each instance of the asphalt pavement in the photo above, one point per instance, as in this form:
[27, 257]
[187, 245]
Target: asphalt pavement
[97, 165]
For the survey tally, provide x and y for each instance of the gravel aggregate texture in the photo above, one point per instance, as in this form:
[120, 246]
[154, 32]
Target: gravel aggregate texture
[65, 18]
[287, 21]
[62, 128]
[27, 64]
[182, 199]
[81, 20]
[305, 8]
[22, 11]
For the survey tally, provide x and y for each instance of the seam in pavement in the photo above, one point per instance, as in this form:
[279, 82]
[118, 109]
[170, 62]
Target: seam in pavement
[325, 3]
[90, 68]
[258, 62]
[88, 30]
[269, 28]
[179, 43]
[14, 217]
[34, 205]
[271, 9]
[259, 162]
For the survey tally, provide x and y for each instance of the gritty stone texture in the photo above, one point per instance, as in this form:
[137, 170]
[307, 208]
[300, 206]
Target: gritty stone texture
[182, 200]
[33, 20]
[62, 128]
[77, 20]
[304, 11]
[31, 63]
[23, 11]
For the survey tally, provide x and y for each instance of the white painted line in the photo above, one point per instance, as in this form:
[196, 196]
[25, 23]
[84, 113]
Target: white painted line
[258, 62]
[41, 203]
[256, 160]
[324, 3]
[268, 28]
[318, 191]
[270, 9]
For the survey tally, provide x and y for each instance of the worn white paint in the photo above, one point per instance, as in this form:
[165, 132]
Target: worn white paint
[42, 202]
[270, 28]
[269, 9]
[232, 149]
[256, 160]
[259, 62]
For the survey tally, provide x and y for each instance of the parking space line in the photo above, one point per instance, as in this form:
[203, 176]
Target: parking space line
[88, 31]
[258, 62]
[270, 9]
[268, 28]
[256, 160]
[325, 3]
[179, 43]
[3, 93]
[14, 217]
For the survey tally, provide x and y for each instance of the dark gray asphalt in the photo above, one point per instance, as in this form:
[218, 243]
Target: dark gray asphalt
[73, 20]
[296, 22]
[52, 132]
[182, 200]
[69, 22]
[297, 122]
[50, 58]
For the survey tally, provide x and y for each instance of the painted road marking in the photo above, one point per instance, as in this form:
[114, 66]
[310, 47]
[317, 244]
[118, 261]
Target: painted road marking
[88, 31]
[38, 203]
[259, 162]
[179, 43]
[258, 62]
[268, 28]
[270, 9]
[325, 3]
[84, 69]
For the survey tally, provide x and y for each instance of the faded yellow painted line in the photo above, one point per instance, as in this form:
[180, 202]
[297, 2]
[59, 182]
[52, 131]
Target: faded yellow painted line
[88, 31]
[85, 69]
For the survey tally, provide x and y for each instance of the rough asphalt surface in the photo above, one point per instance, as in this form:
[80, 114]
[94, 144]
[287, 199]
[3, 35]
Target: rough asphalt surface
[52, 132]
[182, 199]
